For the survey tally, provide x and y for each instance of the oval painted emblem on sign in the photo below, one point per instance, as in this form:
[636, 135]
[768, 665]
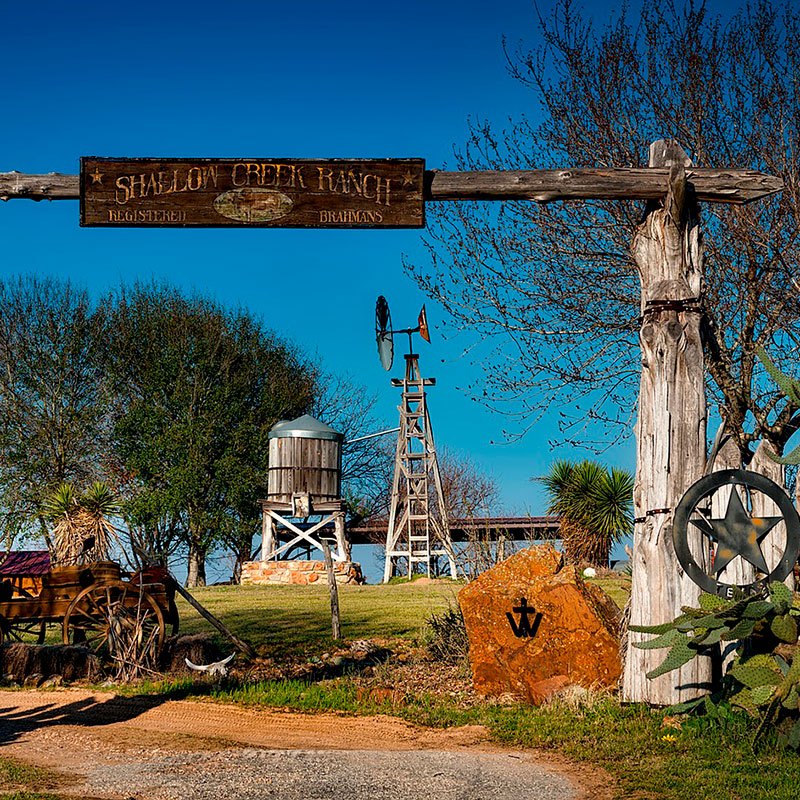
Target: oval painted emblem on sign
[253, 205]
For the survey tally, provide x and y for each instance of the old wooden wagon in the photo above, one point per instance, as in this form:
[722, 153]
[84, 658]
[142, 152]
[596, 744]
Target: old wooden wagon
[117, 614]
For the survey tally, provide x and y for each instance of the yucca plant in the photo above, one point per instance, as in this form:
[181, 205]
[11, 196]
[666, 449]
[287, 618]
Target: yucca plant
[595, 505]
[82, 530]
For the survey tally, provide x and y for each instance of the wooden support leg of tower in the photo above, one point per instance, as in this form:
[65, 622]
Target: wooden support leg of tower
[444, 534]
[267, 536]
[392, 529]
[342, 544]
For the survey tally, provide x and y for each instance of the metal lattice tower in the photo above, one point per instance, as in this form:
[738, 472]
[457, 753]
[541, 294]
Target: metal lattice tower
[418, 529]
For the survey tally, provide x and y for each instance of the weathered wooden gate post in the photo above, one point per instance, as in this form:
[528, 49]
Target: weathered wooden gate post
[671, 425]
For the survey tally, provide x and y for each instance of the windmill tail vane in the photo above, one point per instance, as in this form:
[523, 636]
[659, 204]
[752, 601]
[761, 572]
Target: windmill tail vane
[422, 325]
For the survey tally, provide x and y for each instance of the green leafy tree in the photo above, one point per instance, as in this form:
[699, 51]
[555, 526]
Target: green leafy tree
[195, 390]
[52, 413]
[595, 505]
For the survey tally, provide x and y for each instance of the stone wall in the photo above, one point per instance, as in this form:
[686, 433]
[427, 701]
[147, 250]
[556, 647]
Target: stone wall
[299, 573]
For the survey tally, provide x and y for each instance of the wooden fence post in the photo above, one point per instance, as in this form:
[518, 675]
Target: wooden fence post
[334, 590]
[671, 424]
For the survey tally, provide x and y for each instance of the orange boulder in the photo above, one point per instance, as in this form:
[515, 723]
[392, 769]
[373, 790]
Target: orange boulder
[530, 620]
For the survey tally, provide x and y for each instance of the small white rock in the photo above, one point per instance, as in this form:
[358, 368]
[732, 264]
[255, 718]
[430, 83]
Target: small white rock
[590, 572]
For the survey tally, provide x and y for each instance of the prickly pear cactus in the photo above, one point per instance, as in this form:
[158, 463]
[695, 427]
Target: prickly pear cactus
[791, 388]
[764, 677]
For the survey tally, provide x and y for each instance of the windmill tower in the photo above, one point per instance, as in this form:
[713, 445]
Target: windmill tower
[418, 532]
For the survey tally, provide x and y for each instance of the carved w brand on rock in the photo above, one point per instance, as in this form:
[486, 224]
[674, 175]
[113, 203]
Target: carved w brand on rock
[525, 627]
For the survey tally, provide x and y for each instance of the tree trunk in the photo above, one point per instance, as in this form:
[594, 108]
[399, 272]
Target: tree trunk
[196, 562]
[671, 426]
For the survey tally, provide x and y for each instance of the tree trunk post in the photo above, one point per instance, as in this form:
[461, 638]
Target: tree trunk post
[334, 590]
[671, 425]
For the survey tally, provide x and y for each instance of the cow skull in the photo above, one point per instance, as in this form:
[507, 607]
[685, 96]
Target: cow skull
[217, 668]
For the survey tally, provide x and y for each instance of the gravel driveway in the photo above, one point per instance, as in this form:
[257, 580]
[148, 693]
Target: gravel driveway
[242, 774]
[151, 749]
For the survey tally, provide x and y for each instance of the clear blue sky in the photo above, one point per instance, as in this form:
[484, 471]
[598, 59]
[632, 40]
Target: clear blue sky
[265, 79]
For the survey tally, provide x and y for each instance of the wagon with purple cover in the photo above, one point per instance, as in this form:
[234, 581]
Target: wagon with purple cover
[117, 614]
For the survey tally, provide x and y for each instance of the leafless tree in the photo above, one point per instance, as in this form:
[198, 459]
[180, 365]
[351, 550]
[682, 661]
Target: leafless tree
[367, 465]
[545, 297]
[470, 494]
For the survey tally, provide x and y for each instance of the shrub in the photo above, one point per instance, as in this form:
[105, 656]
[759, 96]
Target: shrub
[445, 636]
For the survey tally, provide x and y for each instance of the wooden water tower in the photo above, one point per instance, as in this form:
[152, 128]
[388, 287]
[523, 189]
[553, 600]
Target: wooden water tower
[305, 480]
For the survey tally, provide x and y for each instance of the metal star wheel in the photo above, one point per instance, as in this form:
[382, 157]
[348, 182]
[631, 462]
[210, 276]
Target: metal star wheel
[737, 533]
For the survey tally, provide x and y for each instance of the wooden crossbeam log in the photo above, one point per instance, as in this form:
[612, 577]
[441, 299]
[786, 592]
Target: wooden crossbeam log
[540, 185]
[614, 183]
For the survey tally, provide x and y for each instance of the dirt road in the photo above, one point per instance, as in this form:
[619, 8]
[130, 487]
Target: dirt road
[151, 749]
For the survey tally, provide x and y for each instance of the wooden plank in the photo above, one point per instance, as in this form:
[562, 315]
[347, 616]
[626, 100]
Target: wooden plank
[543, 185]
[53, 186]
[252, 193]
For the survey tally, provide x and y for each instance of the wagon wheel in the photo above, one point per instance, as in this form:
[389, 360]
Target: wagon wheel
[31, 632]
[119, 621]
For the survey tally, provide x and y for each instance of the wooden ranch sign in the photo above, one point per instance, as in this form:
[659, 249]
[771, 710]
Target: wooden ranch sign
[252, 193]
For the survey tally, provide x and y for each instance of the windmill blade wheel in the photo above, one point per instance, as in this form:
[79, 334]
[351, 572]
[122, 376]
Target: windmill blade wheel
[121, 623]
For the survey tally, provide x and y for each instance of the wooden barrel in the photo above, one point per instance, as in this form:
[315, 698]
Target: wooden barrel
[305, 455]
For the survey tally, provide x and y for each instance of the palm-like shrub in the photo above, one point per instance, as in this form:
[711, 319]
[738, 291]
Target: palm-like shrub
[595, 505]
[82, 530]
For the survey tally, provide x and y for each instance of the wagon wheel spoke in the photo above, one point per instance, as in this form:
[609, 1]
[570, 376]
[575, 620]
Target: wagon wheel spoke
[97, 641]
[86, 614]
[26, 631]
[91, 636]
[92, 600]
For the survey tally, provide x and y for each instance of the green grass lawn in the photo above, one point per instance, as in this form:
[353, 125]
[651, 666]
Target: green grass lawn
[296, 620]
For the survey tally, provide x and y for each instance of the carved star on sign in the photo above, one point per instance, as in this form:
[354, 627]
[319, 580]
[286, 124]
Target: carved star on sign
[97, 176]
[738, 534]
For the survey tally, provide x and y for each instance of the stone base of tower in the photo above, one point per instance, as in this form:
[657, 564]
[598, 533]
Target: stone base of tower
[299, 573]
